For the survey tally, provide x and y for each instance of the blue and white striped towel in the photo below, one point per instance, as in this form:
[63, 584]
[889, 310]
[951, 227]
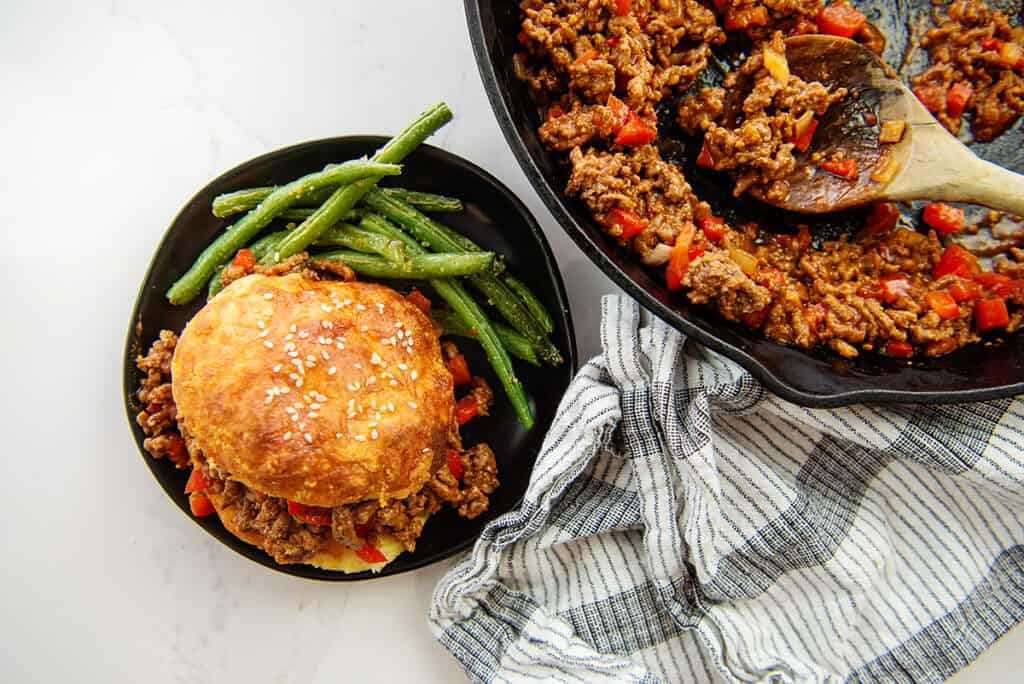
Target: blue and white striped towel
[684, 524]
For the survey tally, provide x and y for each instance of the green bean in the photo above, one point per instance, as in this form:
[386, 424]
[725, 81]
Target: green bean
[441, 238]
[362, 240]
[516, 344]
[475, 319]
[425, 201]
[224, 247]
[258, 249]
[346, 197]
[236, 202]
[530, 301]
[420, 266]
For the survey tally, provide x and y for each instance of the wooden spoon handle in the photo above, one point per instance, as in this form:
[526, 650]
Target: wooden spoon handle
[990, 185]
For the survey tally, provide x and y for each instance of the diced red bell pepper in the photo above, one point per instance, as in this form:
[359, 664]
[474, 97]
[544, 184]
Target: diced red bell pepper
[803, 141]
[771, 277]
[523, 38]
[679, 259]
[990, 44]
[586, 57]
[990, 314]
[620, 113]
[883, 217]
[466, 409]
[197, 482]
[1012, 290]
[244, 260]
[964, 290]
[311, 515]
[705, 158]
[844, 168]
[623, 7]
[628, 222]
[459, 369]
[958, 97]
[894, 286]
[555, 111]
[713, 227]
[176, 451]
[695, 251]
[933, 97]
[200, 504]
[612, 42]
[745, 16]
[943, 304]
[957, 261]
[455, 463]
[840, 19]
[991, 280]
[720, 5]
[943, 218]
[419, 300]
[757, 318]
[635, 131]
[899, 349]
[363, 529]
[371, 554]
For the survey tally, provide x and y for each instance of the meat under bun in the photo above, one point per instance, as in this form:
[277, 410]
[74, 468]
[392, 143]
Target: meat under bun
[331, 556]
[367, 415]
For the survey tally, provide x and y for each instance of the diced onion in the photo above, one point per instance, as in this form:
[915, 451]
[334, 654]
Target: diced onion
[885, 169]
[892, 131]
[801, 124]
[776, 64]
[746, 261]
[658, 255]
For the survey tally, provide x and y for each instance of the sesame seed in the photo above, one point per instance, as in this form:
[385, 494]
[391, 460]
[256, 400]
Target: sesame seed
[289, 336]
[314, 406]
[373, 434]
[363, 328]
[400, 334]
[412, 405]
[269, 399]
[293, 327]
[295, 417]
[399, 324]
[268, 344]
[263, 334]
[426, 450]
[325, 356]
[337, 435]
[359, 438]
[303, 334]
[380, 308]
[310, 364]
[268, 295]
[308, 437]
[413, 374]
[259, 324]
[391, 407]
[298, 383]
[293, 354]
[285, 390]
[375, 359]
[310, 357]
[302, 426]
[402, 366]
[372, 379]
[377, 415]
[312, 414]
[360, 307]
[332, 370]
[346, 302]
[288, 435]
[326, 308]
[393, 382]
[289, 346]
[277, 368]
[289, 410]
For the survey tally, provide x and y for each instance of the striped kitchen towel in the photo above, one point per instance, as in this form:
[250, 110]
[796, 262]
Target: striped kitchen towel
[682, 524]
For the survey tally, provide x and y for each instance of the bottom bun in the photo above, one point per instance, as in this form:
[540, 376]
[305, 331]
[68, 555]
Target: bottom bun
[333, 556]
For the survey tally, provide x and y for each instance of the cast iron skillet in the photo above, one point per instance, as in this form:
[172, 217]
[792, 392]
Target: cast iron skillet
[812, 378]
[493, 217]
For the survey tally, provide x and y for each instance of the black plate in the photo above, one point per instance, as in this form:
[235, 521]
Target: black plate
[813, 378]
[493, 217]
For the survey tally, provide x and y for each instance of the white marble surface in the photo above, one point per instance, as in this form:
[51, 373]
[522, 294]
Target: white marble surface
[111, 117]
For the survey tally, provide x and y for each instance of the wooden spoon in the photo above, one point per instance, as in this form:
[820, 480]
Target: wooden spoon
[931, 163]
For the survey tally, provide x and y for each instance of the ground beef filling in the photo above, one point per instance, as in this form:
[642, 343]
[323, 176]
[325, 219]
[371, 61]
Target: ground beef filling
[289, 539]
[758, 147]
[590, 70]
[976, 54]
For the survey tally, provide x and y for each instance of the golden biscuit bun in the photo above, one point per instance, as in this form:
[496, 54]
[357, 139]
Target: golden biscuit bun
[321, 392]
[332, 556]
